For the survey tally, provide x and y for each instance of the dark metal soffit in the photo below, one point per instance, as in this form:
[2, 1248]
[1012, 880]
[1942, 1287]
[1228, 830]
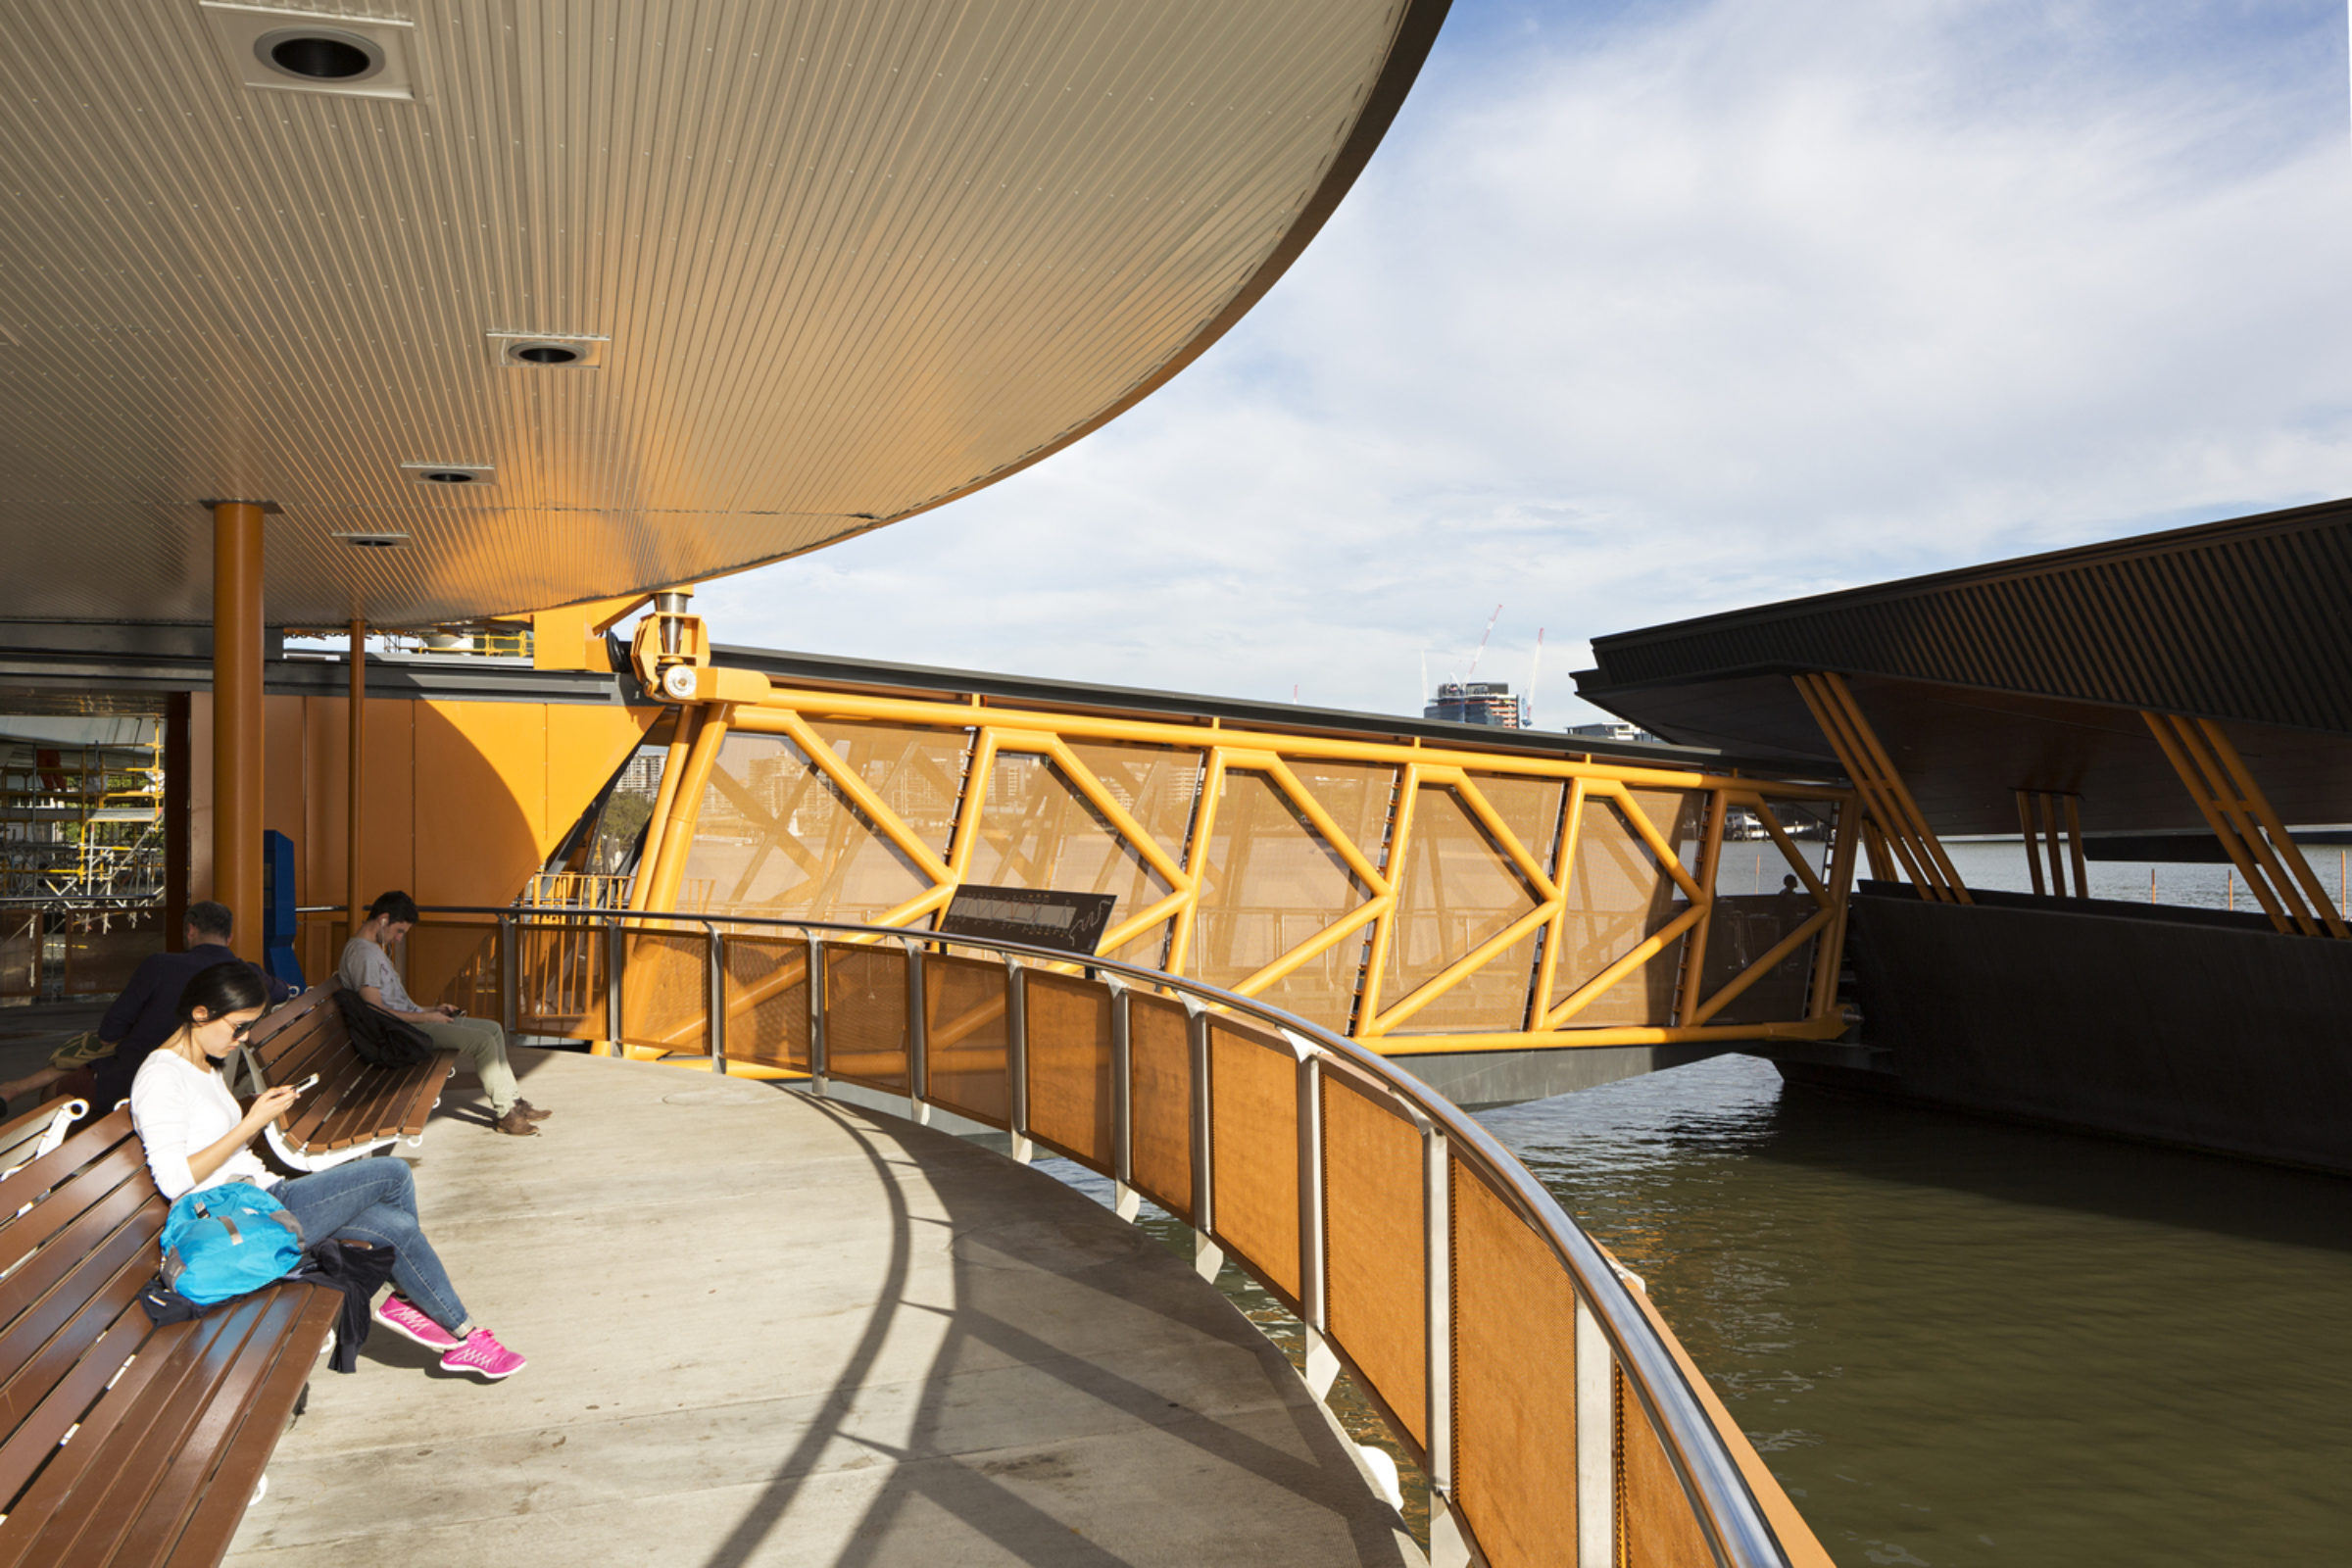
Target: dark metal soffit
[2248, 620]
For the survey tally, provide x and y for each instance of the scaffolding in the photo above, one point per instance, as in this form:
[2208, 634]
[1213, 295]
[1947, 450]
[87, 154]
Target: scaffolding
[82, 859]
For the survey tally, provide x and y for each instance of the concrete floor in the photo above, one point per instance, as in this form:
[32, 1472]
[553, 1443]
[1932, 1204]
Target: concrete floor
[765, 1329]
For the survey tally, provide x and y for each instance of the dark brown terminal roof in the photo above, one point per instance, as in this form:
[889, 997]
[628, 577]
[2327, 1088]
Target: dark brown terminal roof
[2030, 673]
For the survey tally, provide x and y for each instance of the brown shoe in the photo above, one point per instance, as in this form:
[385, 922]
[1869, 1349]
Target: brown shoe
[533, 1113]
[515, 1123]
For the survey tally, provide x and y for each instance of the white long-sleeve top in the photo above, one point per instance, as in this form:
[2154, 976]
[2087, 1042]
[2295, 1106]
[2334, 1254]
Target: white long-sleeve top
[181, 1108]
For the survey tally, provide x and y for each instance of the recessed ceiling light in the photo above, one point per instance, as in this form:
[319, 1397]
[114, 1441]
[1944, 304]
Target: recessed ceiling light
[450, 475]
[374, 541]
[305, 51]
[550, 351]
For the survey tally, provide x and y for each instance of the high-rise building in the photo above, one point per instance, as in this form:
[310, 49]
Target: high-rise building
[1478, 702]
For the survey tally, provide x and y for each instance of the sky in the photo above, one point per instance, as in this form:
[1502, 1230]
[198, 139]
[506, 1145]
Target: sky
[1645, 311]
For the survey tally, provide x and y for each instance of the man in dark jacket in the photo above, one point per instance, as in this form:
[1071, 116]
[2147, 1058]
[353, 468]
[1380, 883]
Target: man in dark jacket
[143, 1016]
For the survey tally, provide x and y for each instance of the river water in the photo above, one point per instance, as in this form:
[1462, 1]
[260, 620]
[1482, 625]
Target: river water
[1959, 1342]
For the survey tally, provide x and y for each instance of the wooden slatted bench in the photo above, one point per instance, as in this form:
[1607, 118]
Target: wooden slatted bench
[121, 1442]
[357, 1107]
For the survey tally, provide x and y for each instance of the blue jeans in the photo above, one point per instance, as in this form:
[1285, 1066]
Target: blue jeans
[375, 1201]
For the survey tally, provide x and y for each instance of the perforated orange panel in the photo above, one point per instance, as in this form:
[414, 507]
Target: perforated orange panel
[1159, 1063]
[1377, 1279]
[767, 1001]
[776, 838]
[666, 991]
[1037, 831]
[1457, 890]
[866, 1014]
[1515, 1382]
[1253, 1151]
[1531, 808]
[1271, 884]
[1618, 894]
[918, 772]
[963, 1002]
[1655, 1527]
[1159, 785]
[1069, 1066]
[1355, 794]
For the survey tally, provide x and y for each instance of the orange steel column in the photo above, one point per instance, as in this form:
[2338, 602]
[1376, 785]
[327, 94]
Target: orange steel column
[353, 897]
[237, 717]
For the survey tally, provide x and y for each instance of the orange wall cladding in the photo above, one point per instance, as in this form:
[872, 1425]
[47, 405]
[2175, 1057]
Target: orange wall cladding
[463, 800]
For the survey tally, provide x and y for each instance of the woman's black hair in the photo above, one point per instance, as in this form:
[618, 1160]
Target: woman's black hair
[399, 906]
[229, 986]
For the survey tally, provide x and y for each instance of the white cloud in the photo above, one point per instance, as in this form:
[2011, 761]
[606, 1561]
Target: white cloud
[1760, 300]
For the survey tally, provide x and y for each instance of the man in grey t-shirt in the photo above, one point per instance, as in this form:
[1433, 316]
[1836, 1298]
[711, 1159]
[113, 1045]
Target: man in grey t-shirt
[480, 1043]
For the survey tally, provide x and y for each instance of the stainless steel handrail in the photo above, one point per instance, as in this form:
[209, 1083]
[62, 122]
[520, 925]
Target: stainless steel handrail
[1725, 1508]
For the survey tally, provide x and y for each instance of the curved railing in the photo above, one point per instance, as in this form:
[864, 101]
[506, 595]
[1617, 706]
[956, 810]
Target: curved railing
[1545, 1399]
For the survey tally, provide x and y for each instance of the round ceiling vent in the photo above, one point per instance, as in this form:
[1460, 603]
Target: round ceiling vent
[450, 475]
[323, 55]
[550, 351]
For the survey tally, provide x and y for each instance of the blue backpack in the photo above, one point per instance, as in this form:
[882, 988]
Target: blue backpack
[224, 1241]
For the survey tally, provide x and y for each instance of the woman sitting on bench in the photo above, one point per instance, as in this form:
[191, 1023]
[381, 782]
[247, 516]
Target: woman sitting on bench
[196, 1137]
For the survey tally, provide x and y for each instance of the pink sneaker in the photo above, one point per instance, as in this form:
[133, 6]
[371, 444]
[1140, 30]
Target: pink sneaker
[482, 1355]
[401, 1316]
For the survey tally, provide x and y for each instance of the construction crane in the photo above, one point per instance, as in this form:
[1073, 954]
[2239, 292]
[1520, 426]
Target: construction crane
[1482, 641]
[1526, 713]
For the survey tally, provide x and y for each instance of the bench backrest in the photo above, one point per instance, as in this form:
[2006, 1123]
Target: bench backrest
[293, 1041]
[78, 1232]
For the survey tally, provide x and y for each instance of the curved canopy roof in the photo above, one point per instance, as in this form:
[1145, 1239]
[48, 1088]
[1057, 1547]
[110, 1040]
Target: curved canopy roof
[848, 260]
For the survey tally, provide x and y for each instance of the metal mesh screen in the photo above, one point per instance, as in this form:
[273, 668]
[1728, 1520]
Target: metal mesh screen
[561, 985]
[866, 1014]
[1514, 1381]
[1759, 900]
[767, 1001]
[1355, 794]
[965, 1036]
[1160, 786]
[666, 991]
[1271, 884]
[1531, 808]
[918, 772]
[1458, 889]
[1160, 1066]
[775, 837]
[1655, 1525]
[1069, 1066]
[1037, 831]
[1618, 895]
[1739, 932]
[1157, 785]
[1376, 1278]
[1253, 1159]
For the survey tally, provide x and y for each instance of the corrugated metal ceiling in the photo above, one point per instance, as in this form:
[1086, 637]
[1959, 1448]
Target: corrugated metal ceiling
[854, 258]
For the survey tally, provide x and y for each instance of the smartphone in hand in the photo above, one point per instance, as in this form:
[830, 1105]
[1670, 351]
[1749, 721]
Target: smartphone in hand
[307, 1085]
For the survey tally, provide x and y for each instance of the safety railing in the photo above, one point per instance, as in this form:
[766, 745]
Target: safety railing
[1551, 1410]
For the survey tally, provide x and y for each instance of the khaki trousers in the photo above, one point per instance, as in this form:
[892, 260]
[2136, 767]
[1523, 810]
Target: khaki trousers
[480, 1045]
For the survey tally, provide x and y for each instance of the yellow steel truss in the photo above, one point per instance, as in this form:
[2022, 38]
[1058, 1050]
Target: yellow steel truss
[1895, 830]
[2241, 818]
[1174, 886]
